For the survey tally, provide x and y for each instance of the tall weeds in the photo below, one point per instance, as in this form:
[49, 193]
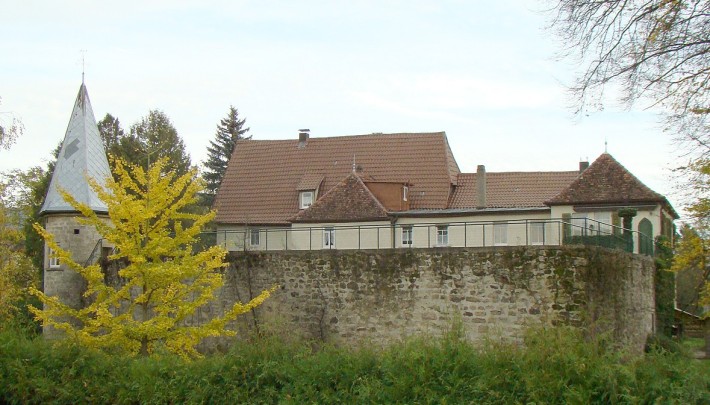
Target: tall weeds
[555, 365]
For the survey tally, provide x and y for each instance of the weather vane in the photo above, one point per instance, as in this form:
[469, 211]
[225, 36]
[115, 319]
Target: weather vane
[83, 64]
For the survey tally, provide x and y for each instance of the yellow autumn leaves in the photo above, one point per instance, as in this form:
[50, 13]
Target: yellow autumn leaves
[164, 281]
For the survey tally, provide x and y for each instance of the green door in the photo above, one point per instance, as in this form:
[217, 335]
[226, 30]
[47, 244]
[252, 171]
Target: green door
[646, 237]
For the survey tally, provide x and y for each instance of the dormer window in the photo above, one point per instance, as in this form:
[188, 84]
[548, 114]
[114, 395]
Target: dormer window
[405, 191]
[306, 198]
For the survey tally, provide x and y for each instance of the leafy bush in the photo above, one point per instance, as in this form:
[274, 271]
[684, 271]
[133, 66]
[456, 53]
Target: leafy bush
[555, 365]
[608, 241]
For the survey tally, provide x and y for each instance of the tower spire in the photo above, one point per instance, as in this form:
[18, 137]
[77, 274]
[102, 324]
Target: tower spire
[83, 64]
[81, 157]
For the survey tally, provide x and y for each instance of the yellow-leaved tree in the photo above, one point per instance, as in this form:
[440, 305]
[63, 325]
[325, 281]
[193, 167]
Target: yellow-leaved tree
[17, 273]
[164, 281]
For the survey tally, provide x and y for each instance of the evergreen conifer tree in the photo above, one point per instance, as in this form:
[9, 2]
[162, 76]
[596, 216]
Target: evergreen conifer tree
[229, 130]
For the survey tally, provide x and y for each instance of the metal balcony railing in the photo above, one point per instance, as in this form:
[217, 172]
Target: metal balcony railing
[520, 232]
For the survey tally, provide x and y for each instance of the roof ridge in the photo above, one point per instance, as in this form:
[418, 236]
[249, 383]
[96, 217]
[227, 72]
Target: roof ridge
[312, 138]
[526, 172]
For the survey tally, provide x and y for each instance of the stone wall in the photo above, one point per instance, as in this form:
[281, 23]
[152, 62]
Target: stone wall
[80, 240]
[387, 295]
[61, 281]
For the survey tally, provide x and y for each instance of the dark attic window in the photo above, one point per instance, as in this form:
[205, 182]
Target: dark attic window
[76, 231]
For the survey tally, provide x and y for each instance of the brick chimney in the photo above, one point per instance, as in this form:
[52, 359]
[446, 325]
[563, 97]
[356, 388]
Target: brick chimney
[481, 187]
[303, 137]
[583, 166]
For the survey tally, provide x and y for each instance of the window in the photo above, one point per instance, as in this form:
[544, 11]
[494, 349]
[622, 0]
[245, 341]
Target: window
[405, 191]
[53, 260]
[500, 234]
[442, 235]
[328, 238]
[604, 226]
[537, 233]
[407, 235]
[579, 224]
[306, 199]
[254, 235]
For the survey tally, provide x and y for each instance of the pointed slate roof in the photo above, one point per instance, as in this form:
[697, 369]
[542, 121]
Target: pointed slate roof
[82, 156]
[606, 181]
[349, 200]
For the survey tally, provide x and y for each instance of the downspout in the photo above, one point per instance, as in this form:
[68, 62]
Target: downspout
[393, 221]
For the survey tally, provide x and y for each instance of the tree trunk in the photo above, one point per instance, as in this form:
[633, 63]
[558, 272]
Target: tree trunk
[144, 347]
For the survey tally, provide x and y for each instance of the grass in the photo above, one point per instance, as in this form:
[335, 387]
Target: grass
[556, 365]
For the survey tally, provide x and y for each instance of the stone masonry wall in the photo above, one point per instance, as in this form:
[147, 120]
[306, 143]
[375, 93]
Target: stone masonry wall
[80, 240]
[354, 297]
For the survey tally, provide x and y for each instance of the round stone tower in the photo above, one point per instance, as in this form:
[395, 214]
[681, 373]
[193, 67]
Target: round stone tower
[82, 156]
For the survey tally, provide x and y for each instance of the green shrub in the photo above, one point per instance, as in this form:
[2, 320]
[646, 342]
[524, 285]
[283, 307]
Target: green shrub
[555, 365]
[608, 241]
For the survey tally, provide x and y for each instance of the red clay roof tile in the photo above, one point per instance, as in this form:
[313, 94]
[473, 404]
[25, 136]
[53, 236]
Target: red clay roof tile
[511, 189]
[349, 201]
[261, 181]
[606, 181]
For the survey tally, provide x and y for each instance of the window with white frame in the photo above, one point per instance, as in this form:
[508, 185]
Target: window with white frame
[254, 237]
[329, 238]
[52, 259]
[500, 233]
[442, 235]
[537, 233]
[405, 191]
[407, 235]
[306, 198]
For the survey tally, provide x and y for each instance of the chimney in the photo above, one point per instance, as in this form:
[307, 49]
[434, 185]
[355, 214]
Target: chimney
[303, 137]
[583, 166]
[481, 187]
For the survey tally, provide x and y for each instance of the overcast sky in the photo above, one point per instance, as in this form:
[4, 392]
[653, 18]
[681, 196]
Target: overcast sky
[484, 72]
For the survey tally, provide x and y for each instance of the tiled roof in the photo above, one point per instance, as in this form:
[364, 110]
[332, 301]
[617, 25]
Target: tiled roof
[310, 181]
[606, 181]
[82, 156]
[261, 181]
[511, 189]
[350, 200]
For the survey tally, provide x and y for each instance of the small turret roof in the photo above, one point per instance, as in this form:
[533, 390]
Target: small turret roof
[82, 156]
[606, 181]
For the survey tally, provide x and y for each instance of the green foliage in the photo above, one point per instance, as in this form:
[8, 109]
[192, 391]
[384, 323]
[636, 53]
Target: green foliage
[229, 131]
[111, 132]
[664, 287]
[16, 271]
[39, 184]
[117, 143]
[608, 241]
[153, 138]
[556, 366]
[693, 254]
